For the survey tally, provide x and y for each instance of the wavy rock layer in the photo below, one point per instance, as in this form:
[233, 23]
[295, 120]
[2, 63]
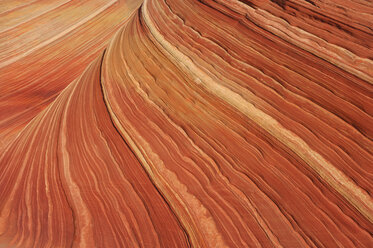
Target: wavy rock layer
[206, 124]
[44, 46]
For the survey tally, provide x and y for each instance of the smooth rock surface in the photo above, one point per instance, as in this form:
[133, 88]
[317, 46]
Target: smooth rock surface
[212, 123]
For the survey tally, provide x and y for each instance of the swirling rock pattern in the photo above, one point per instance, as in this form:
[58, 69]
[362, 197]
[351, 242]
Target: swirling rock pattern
[212, 123]
[44, 46]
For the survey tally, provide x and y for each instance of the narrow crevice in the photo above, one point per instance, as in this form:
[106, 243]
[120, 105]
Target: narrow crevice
[138, 160]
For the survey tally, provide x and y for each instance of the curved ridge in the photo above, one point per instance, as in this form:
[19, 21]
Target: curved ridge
[205, 124]
[46, 46]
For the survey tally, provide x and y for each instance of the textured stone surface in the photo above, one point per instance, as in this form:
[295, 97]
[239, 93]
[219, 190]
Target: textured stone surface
[201, 124]
[44, 46]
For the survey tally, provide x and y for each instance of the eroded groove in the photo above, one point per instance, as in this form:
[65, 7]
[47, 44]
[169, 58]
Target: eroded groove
[186, 123]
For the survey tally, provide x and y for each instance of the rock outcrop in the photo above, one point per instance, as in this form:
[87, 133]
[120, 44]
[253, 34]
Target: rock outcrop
[212, 123]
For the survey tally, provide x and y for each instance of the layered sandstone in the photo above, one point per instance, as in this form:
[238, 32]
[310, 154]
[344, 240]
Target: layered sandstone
[44, 46]
[203, 124]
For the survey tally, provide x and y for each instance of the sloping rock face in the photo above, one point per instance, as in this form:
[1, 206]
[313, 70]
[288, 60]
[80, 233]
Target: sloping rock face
[44, 46]
[205, 124]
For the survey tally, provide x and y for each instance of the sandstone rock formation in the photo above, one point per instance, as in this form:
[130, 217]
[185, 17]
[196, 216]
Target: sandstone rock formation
[211, 123]
[44, 46]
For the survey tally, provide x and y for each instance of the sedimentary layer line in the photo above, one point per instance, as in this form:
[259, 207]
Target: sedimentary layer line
[204, 124]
